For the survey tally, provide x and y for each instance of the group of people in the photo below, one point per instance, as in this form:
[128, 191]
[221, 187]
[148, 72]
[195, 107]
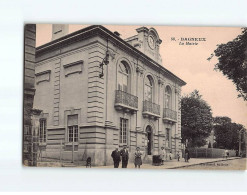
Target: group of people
[123, 155]
[164, 155]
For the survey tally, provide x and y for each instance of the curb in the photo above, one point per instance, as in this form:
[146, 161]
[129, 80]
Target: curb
[203, 163]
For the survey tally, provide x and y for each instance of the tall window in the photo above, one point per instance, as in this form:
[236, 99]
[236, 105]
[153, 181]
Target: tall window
[123, 77]
[73, 128]
[168, 97]
[123, 130]
[148, 89]
[42, 130]
[168, 136]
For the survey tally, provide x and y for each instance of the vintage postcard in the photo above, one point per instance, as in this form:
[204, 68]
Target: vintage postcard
[144, 97]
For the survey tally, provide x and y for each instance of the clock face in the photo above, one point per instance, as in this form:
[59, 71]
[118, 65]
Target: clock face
[151, 42]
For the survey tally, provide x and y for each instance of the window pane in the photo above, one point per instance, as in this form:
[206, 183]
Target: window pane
[168, 97]
[148, 93]
[121, 136]
[75, 133]
[148, 81]
[40, 131]
[70, 134]
[123, 68]
[44, 130]
[122, 82]
[125, 83]
[123, 130]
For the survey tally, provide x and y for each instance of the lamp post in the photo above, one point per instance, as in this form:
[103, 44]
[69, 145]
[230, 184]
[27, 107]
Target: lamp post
[239, 141]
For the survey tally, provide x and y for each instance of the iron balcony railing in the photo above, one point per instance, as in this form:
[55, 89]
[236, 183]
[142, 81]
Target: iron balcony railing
[170, 114]
[126, 99]
[151, 107]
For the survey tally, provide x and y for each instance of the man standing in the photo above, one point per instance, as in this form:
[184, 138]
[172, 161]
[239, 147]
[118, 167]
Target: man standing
[187, 155]
[178, 155]
[163, 155]
[125, 157]
[116, 157]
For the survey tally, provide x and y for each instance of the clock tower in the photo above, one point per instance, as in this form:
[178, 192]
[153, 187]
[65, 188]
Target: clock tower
[148, 42]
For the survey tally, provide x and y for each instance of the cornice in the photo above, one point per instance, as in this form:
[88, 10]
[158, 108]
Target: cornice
[98, 30]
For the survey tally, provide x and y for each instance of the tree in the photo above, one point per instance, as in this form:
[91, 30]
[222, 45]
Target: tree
[232, 62]
[226, 133]
[196, 119]
[209, 145]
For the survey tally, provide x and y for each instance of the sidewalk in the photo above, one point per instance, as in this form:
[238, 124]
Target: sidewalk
[169, 164]
[174, 164]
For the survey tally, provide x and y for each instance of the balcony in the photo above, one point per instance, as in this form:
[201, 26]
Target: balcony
[126, 102]
[169, 116]
[151, 110]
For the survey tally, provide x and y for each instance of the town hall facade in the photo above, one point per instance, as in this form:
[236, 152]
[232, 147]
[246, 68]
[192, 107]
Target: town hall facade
[97, 92]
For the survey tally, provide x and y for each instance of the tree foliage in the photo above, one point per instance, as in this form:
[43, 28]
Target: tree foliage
[196, 119]
[232, 62]
[226, 133]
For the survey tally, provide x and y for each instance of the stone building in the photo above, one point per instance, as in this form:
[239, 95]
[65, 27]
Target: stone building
[98, 92]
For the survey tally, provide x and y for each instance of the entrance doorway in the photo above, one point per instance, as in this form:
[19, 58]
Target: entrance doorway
[149, 140]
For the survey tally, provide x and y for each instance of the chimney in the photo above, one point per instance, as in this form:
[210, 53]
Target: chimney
[117, 33]
[59, 30]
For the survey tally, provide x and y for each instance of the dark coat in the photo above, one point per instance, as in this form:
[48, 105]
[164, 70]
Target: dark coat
[138, 158]
[187, 152]
[116, 156]
[124, 154]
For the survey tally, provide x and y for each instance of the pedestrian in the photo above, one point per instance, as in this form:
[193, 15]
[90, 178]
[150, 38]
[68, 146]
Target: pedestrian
[125, 157]
[162, 155]
[138, 158]
[225, 153]
[170, 155]
[116, 157]
[178, 155]
[237, 153]
[186, 155]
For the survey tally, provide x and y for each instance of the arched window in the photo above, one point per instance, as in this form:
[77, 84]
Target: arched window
[168, 97]
[148, 88]
[123, 77]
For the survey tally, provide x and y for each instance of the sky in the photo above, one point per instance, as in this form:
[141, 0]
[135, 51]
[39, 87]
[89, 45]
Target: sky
[189, 62]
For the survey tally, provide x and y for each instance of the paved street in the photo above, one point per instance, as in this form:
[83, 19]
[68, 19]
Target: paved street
[236, 164]
[174, 164]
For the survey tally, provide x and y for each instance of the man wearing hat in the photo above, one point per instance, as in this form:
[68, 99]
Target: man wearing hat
[116, 157]
[125, 157]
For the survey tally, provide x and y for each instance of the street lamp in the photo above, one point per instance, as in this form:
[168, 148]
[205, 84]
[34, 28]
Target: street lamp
[104, 62]
[239, 141]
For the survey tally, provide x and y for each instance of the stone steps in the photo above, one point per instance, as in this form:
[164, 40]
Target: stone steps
[68, 165]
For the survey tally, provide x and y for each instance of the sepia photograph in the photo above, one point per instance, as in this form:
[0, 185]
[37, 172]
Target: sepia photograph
[134, 96]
